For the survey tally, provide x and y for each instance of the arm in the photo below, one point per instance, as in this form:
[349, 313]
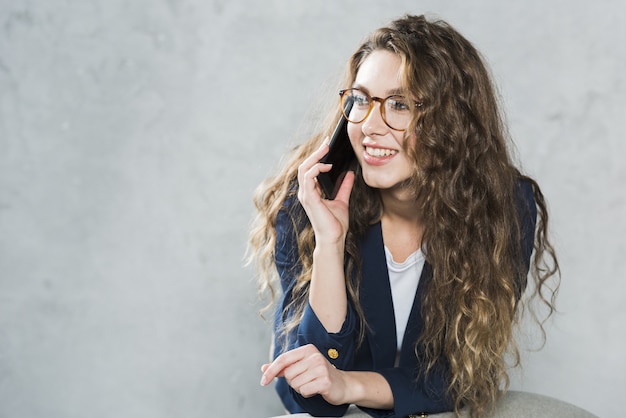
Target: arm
[324, 343]
[310, 374]
[329, 219]
[310, 330]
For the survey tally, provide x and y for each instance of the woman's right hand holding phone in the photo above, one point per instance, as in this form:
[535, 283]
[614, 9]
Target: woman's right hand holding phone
[329, 219]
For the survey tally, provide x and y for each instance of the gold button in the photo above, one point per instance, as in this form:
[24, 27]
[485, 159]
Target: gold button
[333, 353]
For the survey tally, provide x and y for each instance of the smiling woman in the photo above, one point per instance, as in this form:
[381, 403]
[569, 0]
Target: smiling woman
[401, 295]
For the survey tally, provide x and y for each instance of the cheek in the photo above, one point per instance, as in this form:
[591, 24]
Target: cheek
[355, 134]
[408, 144]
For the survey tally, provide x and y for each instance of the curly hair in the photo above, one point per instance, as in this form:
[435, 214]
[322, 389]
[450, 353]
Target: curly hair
[465, 183]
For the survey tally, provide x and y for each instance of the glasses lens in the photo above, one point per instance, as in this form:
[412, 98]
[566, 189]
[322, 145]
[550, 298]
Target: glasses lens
[397, 112]
[360, 106]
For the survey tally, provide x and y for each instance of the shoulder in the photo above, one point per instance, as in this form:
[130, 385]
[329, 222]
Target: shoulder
[525, 199]
[290, 221]
[291, 215]
[525, 191]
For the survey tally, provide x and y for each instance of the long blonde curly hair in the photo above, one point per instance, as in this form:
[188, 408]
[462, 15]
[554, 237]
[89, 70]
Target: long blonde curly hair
[466, 186]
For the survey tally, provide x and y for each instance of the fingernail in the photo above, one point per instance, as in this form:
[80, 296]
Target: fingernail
[263, 380]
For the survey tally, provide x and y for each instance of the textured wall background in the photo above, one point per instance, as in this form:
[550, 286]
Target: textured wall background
[132, 135]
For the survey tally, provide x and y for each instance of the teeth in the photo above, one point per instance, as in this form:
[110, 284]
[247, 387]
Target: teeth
[380, 152]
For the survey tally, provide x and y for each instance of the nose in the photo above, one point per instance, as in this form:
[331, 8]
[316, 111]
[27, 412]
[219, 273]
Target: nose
[374, 123]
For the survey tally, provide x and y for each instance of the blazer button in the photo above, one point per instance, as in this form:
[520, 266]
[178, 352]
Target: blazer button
[333, 353]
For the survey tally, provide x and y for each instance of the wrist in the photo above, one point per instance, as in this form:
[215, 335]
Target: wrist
[368, 389]
[328, 247]
[329, 237]
[329, 254]
[346, 390]
[354, 391]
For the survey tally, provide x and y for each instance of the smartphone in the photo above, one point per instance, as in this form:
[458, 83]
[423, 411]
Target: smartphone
[340, 155]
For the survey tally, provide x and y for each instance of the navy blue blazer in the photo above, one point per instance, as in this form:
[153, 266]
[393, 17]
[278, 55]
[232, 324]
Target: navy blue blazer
[412, 392]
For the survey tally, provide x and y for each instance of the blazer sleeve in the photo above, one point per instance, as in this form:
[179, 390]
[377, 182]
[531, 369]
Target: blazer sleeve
[338, 348]
[410, 389]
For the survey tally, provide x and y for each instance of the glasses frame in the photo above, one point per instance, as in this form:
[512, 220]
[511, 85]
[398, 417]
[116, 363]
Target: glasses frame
[371, 100]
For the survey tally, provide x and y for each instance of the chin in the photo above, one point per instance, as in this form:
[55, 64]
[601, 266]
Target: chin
[388, 184]
[380, 184]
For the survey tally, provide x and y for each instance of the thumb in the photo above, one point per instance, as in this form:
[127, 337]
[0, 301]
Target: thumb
[345, 189]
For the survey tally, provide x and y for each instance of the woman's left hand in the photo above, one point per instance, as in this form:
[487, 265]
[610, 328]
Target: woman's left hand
[309, 373]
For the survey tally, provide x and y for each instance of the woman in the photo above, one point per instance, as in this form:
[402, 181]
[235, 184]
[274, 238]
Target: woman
[401, 295]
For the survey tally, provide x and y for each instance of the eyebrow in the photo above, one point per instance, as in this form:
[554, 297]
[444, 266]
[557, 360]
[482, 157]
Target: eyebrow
[393, 92]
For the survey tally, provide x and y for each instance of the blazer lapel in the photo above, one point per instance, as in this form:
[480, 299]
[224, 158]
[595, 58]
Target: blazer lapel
[376, 300]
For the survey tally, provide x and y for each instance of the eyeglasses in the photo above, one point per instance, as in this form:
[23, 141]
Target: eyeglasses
[396, 110]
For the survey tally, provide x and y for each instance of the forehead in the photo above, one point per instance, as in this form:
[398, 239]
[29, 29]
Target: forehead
[380, 72]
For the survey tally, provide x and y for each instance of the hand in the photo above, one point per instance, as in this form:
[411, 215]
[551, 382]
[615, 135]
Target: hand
[329, 218]
[309, 373]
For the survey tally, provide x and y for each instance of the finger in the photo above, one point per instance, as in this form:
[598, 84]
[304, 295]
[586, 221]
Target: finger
[267, 378]
[316, 155]
[343, 194]
[313, 387]
[277, 367]
[308, 184]
[285, 360]
[297, 373]
[314, 158]
[271, 372]
[265, 381]
[316, 170]
[313, 379]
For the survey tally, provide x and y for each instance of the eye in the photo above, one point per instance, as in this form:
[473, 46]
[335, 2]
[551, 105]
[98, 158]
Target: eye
[397, 104]
[360, 99]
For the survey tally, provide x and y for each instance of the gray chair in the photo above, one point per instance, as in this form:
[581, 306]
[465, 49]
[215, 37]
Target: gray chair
[512, 405]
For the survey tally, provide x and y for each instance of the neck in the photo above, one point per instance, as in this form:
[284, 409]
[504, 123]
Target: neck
[402, 225]
[401, 206]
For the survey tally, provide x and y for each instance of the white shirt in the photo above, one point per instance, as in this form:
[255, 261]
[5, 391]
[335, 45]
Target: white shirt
[404, 278]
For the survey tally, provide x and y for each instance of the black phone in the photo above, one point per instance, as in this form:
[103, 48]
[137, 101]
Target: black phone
[340, 155]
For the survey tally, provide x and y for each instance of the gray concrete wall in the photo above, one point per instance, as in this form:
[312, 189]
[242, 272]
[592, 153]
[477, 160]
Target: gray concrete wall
[132, 135]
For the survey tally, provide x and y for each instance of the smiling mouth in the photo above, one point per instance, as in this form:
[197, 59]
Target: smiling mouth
[380, 152]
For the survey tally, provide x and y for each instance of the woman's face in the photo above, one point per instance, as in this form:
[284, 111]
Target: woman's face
[378, 148]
